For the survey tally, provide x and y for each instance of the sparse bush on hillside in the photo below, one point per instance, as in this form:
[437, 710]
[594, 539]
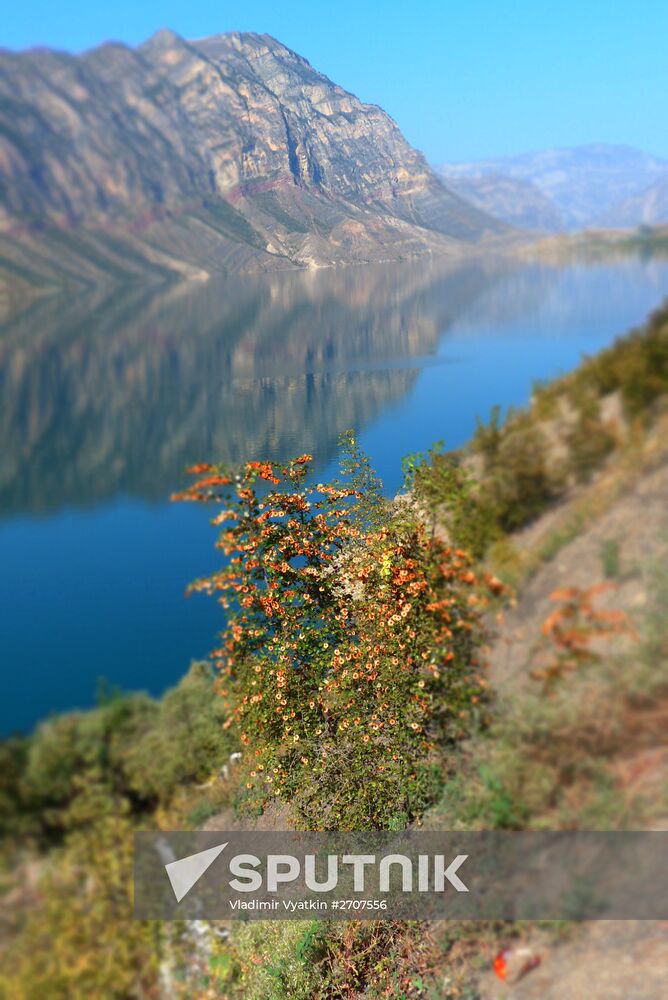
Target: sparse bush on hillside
[548, 758]
[443, 483]
[515, 484]
[187, 743]
[488, 436]
[521, 482]
[589, 443]
[308, 959]
[80, 785]
[572, 630]
[79, 939]
[514, 469]
[279, 960]
[140, 749]
[610, 558]
[66, 748]
[14, 820]
[636, 365]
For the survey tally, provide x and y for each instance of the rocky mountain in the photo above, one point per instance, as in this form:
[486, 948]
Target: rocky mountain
[584, 185]
[519, 202]
[225, 153]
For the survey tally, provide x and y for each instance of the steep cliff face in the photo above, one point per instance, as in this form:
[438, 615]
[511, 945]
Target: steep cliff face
[227, 152]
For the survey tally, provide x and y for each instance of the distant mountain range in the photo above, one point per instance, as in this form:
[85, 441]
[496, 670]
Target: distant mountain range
[225, 153]
[558, 190]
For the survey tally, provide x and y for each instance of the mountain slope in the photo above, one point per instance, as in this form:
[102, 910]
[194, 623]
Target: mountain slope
[648, 208]
[225, 153]
[519, 202]
[584, 184]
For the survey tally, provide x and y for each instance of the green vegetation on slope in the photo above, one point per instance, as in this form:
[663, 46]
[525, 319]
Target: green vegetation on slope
[515, 469]
[349, 662]
[138, 752]
[367, 720]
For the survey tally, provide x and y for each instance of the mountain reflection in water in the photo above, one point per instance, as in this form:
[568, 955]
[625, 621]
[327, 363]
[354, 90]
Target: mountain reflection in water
[106, 398]
[115, 394]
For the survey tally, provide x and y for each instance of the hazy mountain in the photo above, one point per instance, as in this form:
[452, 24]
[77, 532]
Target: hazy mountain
[584, 184]
[648, 208]
[518, 202]
[230, 152]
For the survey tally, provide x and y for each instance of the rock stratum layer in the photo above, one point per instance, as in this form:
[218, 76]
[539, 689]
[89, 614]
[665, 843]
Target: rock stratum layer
[228, 153]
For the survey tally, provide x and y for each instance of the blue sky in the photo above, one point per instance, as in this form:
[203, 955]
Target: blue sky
[464, 80]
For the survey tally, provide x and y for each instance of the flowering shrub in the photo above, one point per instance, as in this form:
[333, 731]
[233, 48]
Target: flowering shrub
[350, 645]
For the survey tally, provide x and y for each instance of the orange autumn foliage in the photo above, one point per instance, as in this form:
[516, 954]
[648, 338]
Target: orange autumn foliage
[349, 649]
[571, 631]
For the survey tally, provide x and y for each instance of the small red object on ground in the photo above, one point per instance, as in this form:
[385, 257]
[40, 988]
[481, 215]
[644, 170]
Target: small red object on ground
[512, 964]
[500, 964]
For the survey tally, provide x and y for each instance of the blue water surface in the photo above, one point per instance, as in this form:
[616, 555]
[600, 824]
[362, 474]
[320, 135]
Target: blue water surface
[105, 401]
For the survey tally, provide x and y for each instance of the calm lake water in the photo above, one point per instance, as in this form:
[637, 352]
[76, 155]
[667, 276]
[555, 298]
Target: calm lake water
[105, 399]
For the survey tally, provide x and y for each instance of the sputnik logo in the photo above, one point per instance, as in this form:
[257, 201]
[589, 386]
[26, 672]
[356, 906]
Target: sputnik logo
[183, 874]
[286, 868]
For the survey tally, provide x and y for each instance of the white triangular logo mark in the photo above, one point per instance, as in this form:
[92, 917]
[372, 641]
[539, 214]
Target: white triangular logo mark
[184, 873]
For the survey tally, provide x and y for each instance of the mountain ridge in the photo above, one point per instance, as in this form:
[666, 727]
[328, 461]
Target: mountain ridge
[596, 184]
[648, 207]
[225, 153]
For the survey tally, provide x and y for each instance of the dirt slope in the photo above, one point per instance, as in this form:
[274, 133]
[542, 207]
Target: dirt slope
[624, 538]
